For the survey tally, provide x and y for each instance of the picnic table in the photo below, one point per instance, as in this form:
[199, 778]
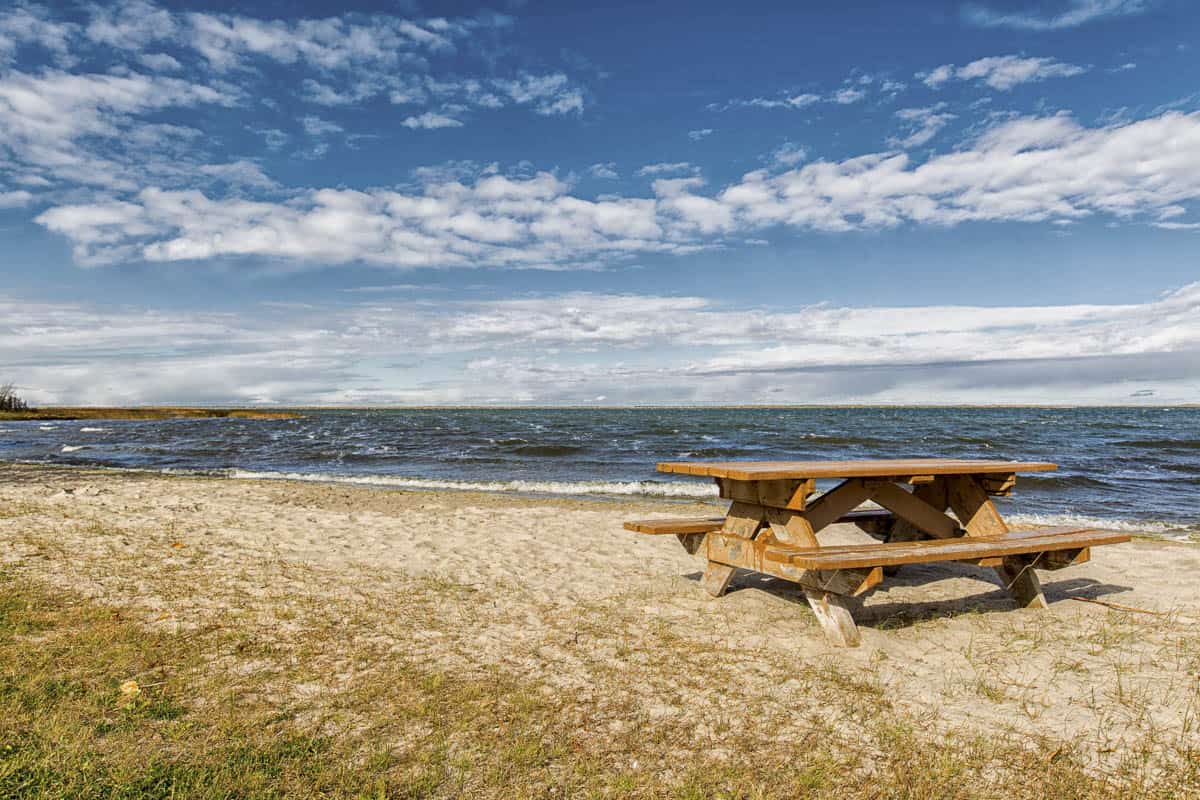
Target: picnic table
[774, 519]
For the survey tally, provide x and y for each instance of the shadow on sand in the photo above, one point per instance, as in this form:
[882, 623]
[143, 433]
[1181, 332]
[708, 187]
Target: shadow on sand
[906, 612]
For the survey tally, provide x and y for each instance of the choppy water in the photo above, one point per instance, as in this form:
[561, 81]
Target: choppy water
[1135, 468]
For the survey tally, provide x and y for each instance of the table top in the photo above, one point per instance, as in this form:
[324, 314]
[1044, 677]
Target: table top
[884, 468]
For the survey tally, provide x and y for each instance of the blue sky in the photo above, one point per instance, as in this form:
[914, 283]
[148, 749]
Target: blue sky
[582, 203]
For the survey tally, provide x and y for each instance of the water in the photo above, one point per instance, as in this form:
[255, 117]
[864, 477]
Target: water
[1131, 468]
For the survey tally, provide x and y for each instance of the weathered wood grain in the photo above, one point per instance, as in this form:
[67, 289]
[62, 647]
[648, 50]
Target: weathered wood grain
[882, 468]
[773, 559]
[675, 525]
[973, 507]
[914, 510]
[966, 548]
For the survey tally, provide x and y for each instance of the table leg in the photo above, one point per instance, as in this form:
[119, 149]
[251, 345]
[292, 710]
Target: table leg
[1018, 577]
[833, 613]
[744, 520]
[979, 517]
[716, 578]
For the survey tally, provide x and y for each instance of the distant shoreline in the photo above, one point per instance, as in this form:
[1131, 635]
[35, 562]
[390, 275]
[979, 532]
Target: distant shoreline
[133, 413]
[294, 411]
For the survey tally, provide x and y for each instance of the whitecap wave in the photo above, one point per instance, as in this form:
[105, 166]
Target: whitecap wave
[92, 430]
[71, 448]
[1164, 529]
[576, 488]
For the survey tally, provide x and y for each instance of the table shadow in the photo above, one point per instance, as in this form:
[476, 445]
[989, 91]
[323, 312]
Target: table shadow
[909, 611]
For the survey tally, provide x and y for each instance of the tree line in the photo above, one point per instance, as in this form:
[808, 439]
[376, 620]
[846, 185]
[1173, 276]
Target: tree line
[10, 400]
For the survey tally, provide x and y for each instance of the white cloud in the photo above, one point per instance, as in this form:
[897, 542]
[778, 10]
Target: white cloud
[665, 168]
[1027, 169]
[794, 102]
[549, 94]
[616, 345]
[240, 173]
[1077, 13]
[847, 95]
[84, 128]
[606, 170]
[699, 134]
[1001, 72]
[15, 199]
[431, 121]
[24, 25]
[789, 154]
[315, 126]
[498, 221]
[131, 25]
[922, 123]
[160, 62]
[336, 60]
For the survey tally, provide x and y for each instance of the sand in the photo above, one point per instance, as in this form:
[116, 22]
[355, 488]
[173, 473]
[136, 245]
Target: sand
[555, 588]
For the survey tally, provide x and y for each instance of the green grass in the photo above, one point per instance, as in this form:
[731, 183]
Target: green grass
[221, 712]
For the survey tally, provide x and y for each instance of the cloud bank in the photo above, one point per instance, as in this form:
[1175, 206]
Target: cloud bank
[1030, 169]
[573, 347]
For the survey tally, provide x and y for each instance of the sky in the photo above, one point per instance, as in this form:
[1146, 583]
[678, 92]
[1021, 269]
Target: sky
[581, 203]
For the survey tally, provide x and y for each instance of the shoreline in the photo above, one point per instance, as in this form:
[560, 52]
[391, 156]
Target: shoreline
[68, 413]
[692, 492]
[299, 409]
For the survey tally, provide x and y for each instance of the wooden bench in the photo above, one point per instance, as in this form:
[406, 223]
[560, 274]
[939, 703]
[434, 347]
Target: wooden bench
[988, 551]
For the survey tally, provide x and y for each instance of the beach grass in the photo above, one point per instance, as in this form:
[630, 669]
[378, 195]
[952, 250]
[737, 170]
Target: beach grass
[94, 703]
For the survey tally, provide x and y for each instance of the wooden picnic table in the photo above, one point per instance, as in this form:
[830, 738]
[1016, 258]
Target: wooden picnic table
[774, 519]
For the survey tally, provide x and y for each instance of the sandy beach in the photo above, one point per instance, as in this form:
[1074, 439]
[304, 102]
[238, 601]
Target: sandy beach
[555, 592]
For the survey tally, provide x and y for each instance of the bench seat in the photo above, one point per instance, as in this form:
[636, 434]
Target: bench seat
[987, 550]
[685, 525]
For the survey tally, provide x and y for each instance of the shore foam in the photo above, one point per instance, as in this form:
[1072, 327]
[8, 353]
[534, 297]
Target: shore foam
[689, 490]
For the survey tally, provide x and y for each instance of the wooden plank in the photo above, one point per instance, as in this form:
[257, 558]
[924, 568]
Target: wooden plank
[676, 525]
[882, 468]
[830, 506]
[934, 494]
[679, 526]
[833, 614]
[961, 549]
[790, 494]
[744, 519]
[791, 528]
[973, 507]
[775, 494]
[914, 510]
[770, 559]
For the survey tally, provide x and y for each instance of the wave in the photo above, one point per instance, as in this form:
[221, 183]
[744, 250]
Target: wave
[92, 430]
[1164, 529]
[1061, 482]
[71, 448]
[548, 450]
[574, 488]
[1160, 444]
